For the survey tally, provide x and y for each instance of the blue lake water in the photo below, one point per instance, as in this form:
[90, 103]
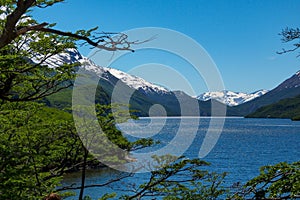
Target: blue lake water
[243, 146]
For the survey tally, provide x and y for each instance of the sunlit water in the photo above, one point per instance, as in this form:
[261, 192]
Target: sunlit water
[243, 147]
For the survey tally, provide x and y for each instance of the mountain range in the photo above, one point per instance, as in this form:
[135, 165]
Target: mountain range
[287, 89]
[285, 108]
[143, 95]
[231, 98]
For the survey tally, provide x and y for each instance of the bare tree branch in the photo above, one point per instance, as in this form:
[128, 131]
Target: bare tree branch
[12, 31]
[95, 185]
[288, 35]
[283, 51]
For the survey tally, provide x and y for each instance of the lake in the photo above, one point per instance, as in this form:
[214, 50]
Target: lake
[243, 146]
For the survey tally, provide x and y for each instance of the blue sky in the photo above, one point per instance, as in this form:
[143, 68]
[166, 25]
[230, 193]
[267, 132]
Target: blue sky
[240, 36]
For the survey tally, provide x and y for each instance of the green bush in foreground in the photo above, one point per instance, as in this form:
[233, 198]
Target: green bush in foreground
[280, 181]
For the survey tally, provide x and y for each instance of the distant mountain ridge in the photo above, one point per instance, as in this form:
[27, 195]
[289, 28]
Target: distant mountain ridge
[285, 108]
[287, 89]
[132, 81]
[231, 98]
[143, 95]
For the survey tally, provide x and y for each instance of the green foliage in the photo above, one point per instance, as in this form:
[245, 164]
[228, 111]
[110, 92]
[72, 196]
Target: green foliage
[25, 75]
[286, 108]
[61, 100]
[296, 118]
[108, 196]
[280, 181]
[180, 179]
[271, 97]
[100, 135]
[107, 120]
[25, 57]
[37, 145]
[22, 80]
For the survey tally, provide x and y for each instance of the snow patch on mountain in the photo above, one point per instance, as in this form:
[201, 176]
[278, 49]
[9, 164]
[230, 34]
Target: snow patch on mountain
[136, 82]
[90, 66]
[69, 56]
[74, 56]
[231, 98]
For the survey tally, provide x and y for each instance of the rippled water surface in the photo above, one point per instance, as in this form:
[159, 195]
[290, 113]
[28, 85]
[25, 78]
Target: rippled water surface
[243, 146]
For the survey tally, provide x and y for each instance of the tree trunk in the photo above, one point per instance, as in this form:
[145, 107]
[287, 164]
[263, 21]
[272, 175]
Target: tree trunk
[83, 174]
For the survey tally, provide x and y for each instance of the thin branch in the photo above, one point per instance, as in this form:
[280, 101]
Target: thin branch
[68, 34]
[95, 185]
[283, 51]
[11, 31]
[47, 5]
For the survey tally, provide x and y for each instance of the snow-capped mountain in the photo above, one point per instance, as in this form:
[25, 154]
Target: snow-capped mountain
[147, 94]
[292, 82]
[137, 83]
[73, 55]
[231, 98]
[287, 89]
[132, 81]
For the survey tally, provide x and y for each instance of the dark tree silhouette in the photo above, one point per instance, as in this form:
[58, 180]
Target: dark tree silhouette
[290, 35]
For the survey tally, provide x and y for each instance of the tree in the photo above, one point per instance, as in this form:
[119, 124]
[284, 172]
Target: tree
[27, 74]
[290, 35]
[108, 145]
[280, 181]
[14, 28]
[37, 146]
[27, 47]
[35, 151]
[179, 179]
